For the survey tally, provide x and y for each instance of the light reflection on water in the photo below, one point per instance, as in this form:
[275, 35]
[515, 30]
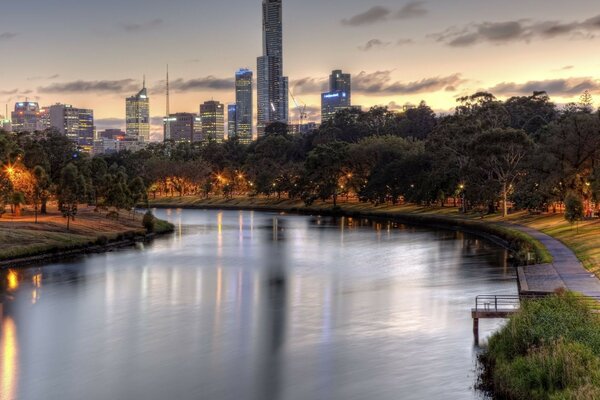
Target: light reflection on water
[242, 305]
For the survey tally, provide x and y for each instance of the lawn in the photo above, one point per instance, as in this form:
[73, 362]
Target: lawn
[22, 237]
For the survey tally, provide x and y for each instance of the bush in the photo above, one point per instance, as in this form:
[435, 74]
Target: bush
[102, 240]
[549, 350]
[149, 222]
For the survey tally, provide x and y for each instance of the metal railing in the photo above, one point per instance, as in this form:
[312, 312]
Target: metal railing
[497, 303]
[508, 303]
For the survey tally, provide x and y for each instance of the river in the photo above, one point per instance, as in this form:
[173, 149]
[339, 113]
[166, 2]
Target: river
[253, 305]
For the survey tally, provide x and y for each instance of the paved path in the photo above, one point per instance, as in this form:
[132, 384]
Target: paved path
[566, 271]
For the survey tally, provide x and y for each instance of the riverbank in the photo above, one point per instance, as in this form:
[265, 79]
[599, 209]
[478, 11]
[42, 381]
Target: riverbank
[23, 241]
[524, 248]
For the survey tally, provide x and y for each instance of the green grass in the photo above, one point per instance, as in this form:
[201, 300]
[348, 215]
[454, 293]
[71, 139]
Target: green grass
[549, 350]
[22, 238]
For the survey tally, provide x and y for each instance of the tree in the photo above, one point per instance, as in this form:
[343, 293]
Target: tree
[71, 190]
[574, 211]
[41, 188]
[501, 152]
[325, 166]
[16, 201]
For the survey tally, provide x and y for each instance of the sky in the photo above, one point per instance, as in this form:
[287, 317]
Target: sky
[93, 54]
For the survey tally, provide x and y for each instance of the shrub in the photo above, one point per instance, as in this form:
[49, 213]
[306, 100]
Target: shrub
[549, 350]
[102, 240]
[149, 222]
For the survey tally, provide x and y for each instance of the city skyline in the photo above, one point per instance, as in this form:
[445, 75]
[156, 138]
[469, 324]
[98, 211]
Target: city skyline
[396, 52]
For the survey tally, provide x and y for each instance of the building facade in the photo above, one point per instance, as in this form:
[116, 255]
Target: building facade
[339, 96]
[184, 127]
[272, 85]
[212, 114]
[27, 117]
[137, 115]
[231, 121]
[341, 82]
[244, 105]
[75, 123]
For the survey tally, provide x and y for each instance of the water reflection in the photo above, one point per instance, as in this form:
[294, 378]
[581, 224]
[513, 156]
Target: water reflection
[255, 306]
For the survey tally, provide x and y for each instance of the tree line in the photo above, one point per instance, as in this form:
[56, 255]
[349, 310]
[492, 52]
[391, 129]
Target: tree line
[489, 155]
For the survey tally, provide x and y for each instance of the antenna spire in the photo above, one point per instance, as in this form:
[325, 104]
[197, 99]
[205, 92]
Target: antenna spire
[168, 117]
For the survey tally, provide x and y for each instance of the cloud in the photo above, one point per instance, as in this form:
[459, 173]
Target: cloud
[44, 78]
[309, 85]
[381, 82]
[195, 85]
[116, 86]
[109, 123]
[373, 44]
[414, 9]
[4, 36]
[554, 87]
[371, 16]
[516, 31]
[404, 42]
[140, 27]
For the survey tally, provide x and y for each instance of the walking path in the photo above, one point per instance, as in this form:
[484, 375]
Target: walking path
[565, 271]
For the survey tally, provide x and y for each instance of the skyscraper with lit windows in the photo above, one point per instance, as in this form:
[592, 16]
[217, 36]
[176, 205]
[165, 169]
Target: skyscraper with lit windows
[212, 114]
[75, 123]
[272, 85]
[138, 115]
[244, 105]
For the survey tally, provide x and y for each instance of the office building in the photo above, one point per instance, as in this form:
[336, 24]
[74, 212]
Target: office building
[231, 121]
[75, 123]
[272, 85]
[105, 145]
[244, 105]
[340, 82]
[184, 128]
[27, 117]
[339, 96]
[331, 103]
[212, 114]
[116, 134]
[138, 115]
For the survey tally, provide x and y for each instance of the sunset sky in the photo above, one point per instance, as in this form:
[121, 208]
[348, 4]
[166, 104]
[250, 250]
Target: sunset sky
[93, 54]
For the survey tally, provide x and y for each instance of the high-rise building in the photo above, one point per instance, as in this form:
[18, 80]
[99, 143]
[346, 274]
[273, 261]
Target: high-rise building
[331, 103]
[75, 123]
[340, 82]
[339, 96]
[27, 117]
[244, 105]
[272, 85]
[138, 115]
[184, 127]
[231, 121]
[212, 114]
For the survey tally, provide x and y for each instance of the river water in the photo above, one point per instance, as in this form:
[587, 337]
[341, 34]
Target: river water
[258, 306]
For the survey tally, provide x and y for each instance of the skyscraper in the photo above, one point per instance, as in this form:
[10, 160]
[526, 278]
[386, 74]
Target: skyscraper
[138, 115]
[340, 82]
[272, 85]
[339, 96]
[212, 114]
[231, 121]
[244, 105]
[75, 123]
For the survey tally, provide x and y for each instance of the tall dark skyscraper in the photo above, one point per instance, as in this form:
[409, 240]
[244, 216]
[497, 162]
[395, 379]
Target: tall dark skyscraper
[340, 82]
[272, 85]
[244, 105]
[339, 96]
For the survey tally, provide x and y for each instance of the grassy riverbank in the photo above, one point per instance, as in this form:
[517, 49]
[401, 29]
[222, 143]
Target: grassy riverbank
[520, 243]
[21, 237]
[550, 350]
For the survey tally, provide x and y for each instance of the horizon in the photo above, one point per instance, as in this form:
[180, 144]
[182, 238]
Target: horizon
[454, 50]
